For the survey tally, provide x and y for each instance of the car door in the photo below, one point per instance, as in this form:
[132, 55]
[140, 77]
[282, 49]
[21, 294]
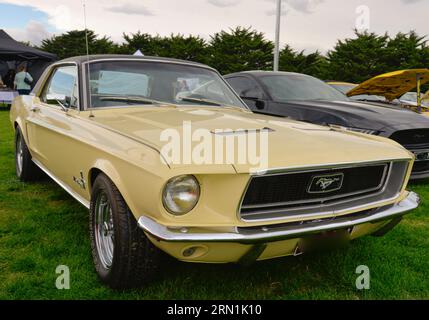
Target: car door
[50, 124]
[250, 91]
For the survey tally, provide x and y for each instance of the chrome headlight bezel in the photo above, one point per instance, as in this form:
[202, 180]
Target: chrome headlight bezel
[175, 194]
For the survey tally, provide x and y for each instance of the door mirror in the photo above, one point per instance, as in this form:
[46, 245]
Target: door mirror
[59, 99]
[259, 104]
[249, 97]
[56, 98]
[256, 102]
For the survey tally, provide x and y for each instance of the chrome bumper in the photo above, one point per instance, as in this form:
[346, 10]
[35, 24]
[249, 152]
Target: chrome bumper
[273, 233]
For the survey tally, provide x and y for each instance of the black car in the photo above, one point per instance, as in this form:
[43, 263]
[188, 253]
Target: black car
[305, 98]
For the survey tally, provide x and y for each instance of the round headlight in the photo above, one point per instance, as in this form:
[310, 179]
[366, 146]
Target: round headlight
[181, 194]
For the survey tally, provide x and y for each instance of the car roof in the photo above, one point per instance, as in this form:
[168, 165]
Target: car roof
[97, 57]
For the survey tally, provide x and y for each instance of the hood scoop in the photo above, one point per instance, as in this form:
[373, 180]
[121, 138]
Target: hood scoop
[221, 132]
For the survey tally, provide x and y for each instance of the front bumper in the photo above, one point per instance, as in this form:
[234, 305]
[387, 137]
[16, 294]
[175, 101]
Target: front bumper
[275, 233]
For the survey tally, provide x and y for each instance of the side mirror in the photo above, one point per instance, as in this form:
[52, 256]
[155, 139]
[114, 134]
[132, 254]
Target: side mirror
[259, 104]
[249, 98]
[59, 99]
[56, 98]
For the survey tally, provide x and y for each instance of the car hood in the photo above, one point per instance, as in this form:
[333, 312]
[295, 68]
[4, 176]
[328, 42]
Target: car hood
[391, 85]
[375, 116]
[290, 143]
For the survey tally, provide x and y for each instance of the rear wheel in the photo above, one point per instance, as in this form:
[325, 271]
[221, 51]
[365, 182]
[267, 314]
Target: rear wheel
[25, 168]
[123, 255]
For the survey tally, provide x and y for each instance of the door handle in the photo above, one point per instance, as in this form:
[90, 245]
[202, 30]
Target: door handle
[34, 109]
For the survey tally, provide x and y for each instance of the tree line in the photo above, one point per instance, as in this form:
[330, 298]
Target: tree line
[353, 60]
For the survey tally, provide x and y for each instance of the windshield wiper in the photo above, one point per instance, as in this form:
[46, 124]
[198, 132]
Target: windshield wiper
[202, 101]
[138, 100]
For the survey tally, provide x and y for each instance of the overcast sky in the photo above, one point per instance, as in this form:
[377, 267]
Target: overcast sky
[306, 24]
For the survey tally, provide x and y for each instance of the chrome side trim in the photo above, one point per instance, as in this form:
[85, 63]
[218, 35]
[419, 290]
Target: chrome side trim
[252, 236]
[63, 185]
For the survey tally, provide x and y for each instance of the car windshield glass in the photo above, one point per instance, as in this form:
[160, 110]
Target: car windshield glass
[300, 87]
[122, 83]
[344, 88]
[367, 97]
[409, 96]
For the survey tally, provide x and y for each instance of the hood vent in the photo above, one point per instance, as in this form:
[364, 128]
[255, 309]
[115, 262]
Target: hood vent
[241, 131]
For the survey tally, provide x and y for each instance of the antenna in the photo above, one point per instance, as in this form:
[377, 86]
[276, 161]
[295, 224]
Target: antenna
[87, 59]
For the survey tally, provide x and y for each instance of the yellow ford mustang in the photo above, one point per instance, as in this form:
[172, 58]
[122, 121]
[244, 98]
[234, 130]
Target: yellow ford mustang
[129, 138]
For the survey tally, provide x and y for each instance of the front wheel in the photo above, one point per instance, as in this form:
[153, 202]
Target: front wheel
[25, 168]
[123, 255]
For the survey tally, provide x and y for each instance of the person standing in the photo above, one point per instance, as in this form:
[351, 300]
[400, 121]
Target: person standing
[9, 78]
[23, 81]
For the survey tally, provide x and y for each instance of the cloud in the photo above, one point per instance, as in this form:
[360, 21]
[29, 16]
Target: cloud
[131, 8]
[60, 17]
[273, 12]
[34, 32]
[410, 1]
[224, 3]
[304, 6]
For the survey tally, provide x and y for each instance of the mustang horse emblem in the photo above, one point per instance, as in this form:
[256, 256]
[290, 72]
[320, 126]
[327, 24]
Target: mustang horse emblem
[324, 183]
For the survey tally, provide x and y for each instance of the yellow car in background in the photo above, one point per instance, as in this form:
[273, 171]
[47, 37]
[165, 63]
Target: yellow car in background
[99, 125]
[346, 87]
[392, 87]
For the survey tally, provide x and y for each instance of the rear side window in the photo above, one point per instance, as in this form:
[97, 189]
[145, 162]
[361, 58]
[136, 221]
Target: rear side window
[62, 88]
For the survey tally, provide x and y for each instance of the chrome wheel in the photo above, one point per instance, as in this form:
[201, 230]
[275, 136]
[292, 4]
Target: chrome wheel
[104, 231]
[19, 155]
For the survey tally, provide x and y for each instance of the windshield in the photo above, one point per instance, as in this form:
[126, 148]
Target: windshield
[300, 87]
[120, 83]
[344, 88]
[410, 96]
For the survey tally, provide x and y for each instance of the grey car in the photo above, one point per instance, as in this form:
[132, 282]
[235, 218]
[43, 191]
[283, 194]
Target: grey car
[305, 98]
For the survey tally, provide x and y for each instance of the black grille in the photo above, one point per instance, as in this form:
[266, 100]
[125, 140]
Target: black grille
[293, 187]
[412, 138]
[421, 166]
[415, 140]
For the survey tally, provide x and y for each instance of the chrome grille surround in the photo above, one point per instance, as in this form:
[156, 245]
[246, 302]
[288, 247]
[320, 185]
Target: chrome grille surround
[303, 211]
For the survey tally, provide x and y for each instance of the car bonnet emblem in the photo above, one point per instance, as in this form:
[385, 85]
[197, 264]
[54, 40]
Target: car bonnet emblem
[326, 183]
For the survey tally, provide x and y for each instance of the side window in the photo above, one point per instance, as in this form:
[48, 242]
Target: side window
[245, 87]
[62, 88]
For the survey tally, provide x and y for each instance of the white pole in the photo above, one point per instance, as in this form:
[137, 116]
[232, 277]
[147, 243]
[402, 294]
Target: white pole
[277, 41]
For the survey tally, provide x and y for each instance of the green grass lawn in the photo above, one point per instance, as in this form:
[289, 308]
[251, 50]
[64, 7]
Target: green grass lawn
[42, 227]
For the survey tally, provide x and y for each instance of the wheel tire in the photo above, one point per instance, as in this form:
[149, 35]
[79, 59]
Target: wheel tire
[128, 259]
[25, 168]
